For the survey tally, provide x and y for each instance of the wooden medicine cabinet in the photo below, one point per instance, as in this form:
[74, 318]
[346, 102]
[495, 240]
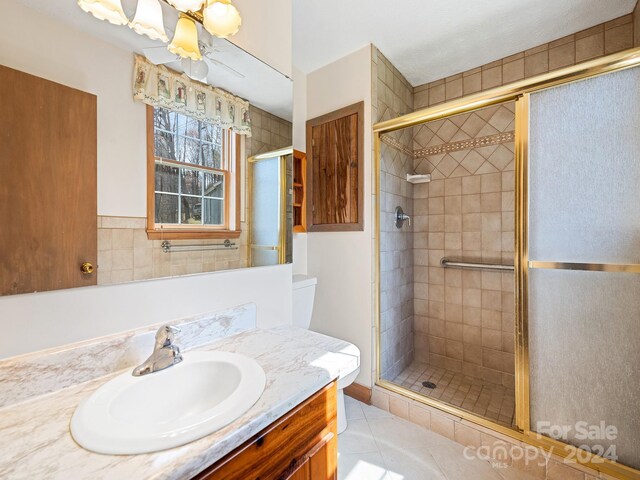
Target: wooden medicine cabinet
[334, 171]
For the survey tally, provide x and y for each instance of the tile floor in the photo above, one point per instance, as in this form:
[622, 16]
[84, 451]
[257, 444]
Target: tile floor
[381, 446]
[492, 401]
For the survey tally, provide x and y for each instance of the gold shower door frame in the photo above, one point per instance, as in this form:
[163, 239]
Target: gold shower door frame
[518, 91]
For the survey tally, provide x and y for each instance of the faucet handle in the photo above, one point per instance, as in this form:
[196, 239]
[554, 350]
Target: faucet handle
[165, 335]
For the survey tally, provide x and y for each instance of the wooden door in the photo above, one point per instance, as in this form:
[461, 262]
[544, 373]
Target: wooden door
[334, 164]
[48, 211]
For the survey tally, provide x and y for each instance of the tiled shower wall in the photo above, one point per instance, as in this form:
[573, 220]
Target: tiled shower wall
[464, 320]
[393, 96]
[594, 42]
[125, 253]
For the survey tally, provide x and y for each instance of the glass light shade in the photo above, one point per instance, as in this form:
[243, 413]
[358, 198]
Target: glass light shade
[221, 18]
[148, 20]
[187, 5]
[185, 40]
[109, 10]
[197, 70]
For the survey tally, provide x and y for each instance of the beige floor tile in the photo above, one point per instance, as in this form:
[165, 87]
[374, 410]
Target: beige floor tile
[484, 398]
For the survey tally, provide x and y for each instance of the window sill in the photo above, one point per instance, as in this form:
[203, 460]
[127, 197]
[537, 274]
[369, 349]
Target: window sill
[180, 234]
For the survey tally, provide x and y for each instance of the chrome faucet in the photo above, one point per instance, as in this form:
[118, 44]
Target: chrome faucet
[165, 353]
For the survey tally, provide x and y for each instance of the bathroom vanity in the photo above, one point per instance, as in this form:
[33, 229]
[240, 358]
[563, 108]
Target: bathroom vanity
[290, 432]
[301, 445]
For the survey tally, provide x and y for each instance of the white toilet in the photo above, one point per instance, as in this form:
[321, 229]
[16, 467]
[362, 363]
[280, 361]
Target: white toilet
[304, 290]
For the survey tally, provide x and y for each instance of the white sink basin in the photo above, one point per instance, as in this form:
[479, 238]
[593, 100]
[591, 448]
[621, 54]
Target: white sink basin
[165, 409]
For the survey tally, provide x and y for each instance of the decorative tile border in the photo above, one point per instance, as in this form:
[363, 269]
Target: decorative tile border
[393, 143]
[466, 144]
[450, 147]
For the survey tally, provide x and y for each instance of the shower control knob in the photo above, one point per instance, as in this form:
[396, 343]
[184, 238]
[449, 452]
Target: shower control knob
[401, 217]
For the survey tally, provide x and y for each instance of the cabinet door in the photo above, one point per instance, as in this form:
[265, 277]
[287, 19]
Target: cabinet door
[303, 473]
[334, 170]
[322, 460]
[300, 445]
[48, 153]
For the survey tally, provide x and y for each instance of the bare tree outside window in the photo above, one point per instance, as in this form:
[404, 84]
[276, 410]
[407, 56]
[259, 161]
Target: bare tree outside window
[189, 172]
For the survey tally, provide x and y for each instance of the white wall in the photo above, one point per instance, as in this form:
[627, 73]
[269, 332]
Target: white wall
[299, 110]
[342, 260]
[41, 320]
[37, 44]
[266, 31]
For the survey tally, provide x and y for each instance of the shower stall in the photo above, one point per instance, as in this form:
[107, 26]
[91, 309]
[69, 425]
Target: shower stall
[460, 247]
[508, 279]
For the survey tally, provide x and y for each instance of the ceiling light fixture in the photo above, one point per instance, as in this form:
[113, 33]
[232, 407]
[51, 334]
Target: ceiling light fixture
[196, 70]
[148, 20]
[109, 10]
[221, 18]
[187, 5]
[185, 40]
[218, 17]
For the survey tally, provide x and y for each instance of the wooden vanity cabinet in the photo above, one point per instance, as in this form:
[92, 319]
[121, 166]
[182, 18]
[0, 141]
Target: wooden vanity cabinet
[301, 445]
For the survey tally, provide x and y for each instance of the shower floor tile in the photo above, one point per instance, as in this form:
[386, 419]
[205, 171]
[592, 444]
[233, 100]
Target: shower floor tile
[483, 398]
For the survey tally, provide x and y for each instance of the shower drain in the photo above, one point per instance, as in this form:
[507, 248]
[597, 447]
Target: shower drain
[429, 384]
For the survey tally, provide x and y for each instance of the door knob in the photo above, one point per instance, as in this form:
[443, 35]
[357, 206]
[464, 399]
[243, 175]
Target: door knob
[86, 268]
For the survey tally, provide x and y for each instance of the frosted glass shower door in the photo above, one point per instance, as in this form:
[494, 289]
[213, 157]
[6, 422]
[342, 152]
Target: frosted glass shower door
[265, 200]
[584, 251]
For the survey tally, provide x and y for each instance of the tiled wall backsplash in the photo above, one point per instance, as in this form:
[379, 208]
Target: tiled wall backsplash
[594, 42]
[125, 253]
[268, 132]
[392, 97]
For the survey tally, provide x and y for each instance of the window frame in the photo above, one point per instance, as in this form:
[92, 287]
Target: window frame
[232, 185]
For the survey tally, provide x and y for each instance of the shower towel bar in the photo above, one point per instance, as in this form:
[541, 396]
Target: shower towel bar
[227, 245]
[445, 262]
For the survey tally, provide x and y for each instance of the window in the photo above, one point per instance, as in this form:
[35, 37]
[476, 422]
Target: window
[194, 179]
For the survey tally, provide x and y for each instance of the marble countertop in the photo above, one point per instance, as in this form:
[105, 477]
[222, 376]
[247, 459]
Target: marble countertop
[34, 435]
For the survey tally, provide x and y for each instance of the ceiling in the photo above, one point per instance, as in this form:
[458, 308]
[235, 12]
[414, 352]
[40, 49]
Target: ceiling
[432, 39]
[263, 86]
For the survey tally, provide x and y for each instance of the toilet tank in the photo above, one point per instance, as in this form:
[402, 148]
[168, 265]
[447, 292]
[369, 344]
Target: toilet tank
[304, 291]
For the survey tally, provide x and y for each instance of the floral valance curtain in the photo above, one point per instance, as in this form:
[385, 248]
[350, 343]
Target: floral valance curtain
[158, 86]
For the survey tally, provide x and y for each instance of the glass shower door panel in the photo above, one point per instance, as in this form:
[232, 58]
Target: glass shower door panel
[262, 258]
[265, 211]
[585, 171]
[584, 207]
[584, 351]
